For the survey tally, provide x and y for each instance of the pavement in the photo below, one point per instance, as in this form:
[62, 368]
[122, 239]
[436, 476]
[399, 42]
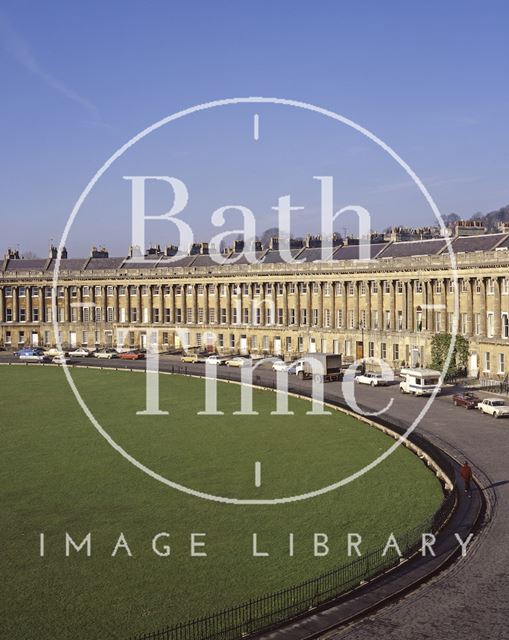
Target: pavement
[469, 599]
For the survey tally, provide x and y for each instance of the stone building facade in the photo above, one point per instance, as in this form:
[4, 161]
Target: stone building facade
[387, 307]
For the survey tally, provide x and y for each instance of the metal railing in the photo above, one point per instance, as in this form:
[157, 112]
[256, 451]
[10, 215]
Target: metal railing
[272, 609]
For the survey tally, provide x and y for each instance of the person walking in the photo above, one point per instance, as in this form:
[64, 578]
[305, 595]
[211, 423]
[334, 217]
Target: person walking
[466, 474]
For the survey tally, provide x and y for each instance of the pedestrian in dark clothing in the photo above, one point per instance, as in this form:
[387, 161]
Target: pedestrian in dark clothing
[466, 474]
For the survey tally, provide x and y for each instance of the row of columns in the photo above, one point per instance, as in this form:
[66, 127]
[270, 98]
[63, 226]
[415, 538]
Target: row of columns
[429, 315]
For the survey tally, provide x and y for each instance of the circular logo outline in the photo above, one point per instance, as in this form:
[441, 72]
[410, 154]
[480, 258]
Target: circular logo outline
[181, 114]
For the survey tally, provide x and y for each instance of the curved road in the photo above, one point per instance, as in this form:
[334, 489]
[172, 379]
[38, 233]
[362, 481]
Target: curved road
[470, 599]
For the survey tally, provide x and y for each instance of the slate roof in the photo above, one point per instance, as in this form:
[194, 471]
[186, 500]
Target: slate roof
[351, 251]
[273, 256]
[477, 243]
[26, 265]
[104, 263]
[410, 248]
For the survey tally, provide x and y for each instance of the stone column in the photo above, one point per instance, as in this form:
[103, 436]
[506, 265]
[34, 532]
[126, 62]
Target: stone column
[320, 305]
[482, 306]
[116, 304]
[309, 303]
[42, 305]
[250, 297]
[380, 305]
[128, 303]
[333, 305]
[285, 304]
[470, 307]
[205, 304]
[228, 304]
[497, 309]
[430, 311]
[28, 303]
[443, 306]
[355, 304]
[404, 306]
[217, 303]
[368, 304]
[410, 308]
[346, 306]
[392, 305]
[66, 304]
[194, 304]
[183, 303]
[79, 298]
[139, 306]
[150, 301]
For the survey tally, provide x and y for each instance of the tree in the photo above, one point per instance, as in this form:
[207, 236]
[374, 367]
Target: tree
[440, 344]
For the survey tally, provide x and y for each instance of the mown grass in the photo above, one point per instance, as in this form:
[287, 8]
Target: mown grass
[58, 474]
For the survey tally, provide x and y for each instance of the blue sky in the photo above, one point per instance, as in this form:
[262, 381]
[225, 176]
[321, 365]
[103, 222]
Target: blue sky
[80, 79]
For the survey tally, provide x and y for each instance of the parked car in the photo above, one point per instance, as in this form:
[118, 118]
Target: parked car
[189, 357]
[80, 352]
[32, 355]
[494, 407]
[374, 379]
[62, 360]
[214, 359]
[136, 354]
[467, 400]
[53, 351]
[106, 353]
[279, 365]
[238, 362]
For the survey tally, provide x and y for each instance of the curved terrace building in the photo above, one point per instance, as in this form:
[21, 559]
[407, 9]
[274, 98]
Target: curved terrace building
[387, 307]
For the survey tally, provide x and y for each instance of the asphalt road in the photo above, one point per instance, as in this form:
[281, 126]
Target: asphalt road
[471, 598]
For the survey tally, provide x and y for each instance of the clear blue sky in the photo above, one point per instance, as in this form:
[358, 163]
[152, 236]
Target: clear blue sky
[79, 79]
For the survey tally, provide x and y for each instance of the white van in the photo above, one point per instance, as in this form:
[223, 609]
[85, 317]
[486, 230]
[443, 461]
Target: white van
[420, 382]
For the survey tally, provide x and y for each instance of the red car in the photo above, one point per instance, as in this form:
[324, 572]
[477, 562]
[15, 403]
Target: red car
[468, 400]
[132, 355]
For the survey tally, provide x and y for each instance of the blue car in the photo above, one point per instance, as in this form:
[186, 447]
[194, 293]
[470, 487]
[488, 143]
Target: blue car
[31, 354]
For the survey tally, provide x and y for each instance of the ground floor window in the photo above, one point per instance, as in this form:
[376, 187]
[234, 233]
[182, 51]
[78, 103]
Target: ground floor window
[371, 349]
[383, 351]
[501, 363]
[395, 352]
[300, 344]
[487, 362]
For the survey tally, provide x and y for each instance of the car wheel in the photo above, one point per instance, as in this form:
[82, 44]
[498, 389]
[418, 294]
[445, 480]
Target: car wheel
[372, 384]
[456, 403]
[496, 415]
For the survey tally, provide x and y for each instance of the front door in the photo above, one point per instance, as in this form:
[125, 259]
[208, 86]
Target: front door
[143, 340]
[474, 365]
[359, 350]
[35, 339]
[72, 339]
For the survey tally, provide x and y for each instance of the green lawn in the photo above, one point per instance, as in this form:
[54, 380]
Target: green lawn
[58, 474]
